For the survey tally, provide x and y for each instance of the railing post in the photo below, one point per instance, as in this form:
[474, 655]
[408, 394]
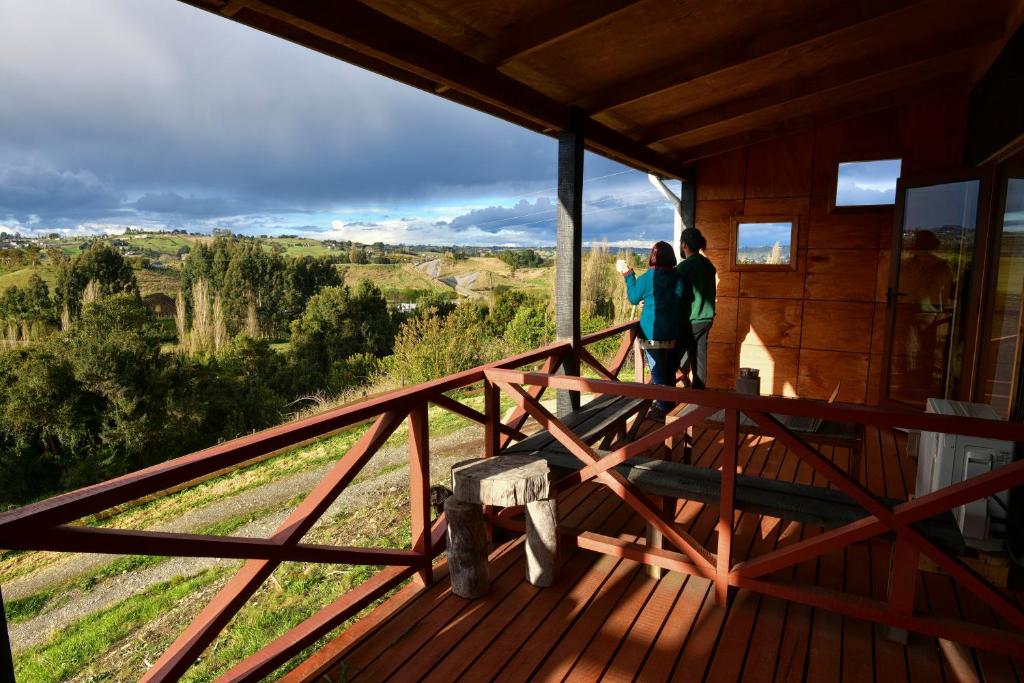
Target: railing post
[492, 410]
[726, 517]
[419, 488]
[6, 657]
[902, 584]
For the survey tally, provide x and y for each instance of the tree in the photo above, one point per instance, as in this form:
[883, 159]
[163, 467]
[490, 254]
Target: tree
[304, 277]
[339, 323]
[98, 263]
[431, 346]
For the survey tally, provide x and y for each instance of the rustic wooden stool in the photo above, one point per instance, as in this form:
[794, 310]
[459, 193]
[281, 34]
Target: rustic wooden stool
[504, 481]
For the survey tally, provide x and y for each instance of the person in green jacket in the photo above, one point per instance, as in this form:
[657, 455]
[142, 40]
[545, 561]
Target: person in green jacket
[659, 289]
[698, 278]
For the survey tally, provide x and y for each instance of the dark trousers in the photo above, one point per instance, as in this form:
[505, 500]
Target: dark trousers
[663, 371]
[693, 352]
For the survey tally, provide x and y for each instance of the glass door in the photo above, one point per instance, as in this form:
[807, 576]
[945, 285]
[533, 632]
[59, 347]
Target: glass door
[999, 376]
[933, 253]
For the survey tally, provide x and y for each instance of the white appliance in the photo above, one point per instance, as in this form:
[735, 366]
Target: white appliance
[945, 459]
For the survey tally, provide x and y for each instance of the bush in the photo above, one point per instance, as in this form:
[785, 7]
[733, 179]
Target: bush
[432, 346]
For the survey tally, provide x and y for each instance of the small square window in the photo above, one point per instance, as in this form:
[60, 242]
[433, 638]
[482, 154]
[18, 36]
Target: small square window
[764, 243]
[867, 183]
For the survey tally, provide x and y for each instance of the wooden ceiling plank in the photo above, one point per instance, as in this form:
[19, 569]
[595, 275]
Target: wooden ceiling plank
[808, 116]
[916, 50]
[558, 23]
[906, 77]
[835, 19]
[372, 35]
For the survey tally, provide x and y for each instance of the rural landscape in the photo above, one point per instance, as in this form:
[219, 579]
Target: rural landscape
[122, 351]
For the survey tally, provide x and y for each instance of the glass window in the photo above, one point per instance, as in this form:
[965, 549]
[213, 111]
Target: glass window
[764, 243]
[867, 183]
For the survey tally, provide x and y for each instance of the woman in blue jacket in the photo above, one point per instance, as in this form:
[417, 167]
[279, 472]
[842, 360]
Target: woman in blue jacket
[659, 288]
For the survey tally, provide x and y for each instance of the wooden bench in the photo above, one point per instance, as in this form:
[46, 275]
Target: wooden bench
[598, 421]
[828, 508]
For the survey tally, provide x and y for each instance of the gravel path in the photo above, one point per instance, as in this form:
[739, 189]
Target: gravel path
[381, 475]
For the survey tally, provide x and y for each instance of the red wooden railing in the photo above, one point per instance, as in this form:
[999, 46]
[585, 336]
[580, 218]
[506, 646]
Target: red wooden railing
[754, 573]
[45, 525]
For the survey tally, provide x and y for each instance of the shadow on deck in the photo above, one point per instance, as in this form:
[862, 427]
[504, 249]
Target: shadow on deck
[607, 619]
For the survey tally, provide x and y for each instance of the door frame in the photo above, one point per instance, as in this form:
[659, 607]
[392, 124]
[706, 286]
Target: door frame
[1002, 171]
[979, 276]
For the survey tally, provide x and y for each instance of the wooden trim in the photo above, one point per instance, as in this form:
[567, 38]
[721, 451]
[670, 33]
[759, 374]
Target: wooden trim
[793, 264]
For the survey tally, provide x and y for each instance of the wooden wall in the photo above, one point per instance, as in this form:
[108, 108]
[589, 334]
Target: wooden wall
[823, 323]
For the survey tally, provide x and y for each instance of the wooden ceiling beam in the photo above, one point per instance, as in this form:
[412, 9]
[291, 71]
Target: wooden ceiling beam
[806, 116]
[556, 24]
[742, 49]
[372, 39]
[915, 50]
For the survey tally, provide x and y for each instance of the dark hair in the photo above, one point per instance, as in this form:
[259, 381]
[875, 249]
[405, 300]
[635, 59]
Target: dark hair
[662, 256]
[693, 240]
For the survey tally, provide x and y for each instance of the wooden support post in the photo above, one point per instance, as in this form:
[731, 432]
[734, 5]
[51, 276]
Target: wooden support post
[6, 658]
[902, 584]
[569, 251]
[726, 508]
[419, 488]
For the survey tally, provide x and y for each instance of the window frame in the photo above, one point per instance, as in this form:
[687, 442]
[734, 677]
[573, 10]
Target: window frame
[792, 219]
[853, 158]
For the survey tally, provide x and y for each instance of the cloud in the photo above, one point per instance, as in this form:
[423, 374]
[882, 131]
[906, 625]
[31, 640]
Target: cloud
[177, 205]
[118, 113]
[28, 193]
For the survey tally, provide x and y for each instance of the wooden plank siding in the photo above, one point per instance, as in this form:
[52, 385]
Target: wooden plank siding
[823, 322]
[605, 619]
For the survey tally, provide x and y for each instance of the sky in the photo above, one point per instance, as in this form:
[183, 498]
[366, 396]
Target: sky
[867, 183]
[758, 235]
[153, 114]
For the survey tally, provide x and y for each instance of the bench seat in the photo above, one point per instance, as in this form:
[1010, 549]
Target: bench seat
[827, 508]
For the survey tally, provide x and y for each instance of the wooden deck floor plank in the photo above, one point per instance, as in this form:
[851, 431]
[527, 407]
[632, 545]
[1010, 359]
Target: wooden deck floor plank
[824, 660]
[794, 650]
[752, 539]
[587, 647]
[454, 634]
[697, 654]
[764, 652]
[523, 628]
[440, 602]
[638, 640]
[608, 621]
[470, 653]
[593, 626]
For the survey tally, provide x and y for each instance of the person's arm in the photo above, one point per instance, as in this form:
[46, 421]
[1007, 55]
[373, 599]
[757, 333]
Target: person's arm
[635, 288]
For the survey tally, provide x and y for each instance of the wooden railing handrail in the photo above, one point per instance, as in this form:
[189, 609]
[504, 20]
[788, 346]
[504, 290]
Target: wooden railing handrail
[844, 412]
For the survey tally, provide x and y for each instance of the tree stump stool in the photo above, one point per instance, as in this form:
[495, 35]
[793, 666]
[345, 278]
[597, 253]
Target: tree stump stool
[503, 481]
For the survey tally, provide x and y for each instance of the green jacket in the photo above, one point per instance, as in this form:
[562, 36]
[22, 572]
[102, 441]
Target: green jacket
[697, 303]
[659, 289]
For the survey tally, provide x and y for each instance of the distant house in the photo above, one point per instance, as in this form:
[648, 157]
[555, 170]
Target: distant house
[161, 305]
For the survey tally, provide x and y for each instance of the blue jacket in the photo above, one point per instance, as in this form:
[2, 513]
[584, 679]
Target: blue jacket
[660, 290]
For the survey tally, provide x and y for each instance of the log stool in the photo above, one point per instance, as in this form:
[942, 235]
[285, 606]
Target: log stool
[504, 481]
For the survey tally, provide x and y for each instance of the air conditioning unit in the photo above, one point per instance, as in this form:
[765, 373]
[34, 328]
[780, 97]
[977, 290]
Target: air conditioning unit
[946, 459]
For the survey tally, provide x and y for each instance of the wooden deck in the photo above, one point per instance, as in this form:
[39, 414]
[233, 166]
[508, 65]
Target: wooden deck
[606, 619]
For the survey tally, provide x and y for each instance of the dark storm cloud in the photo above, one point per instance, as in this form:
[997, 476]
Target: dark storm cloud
[177, 205]
[48, 193]
[160, 98]
[494, 219]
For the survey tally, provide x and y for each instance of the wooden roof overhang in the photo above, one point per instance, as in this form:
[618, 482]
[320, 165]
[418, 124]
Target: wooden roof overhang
[664, 83]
